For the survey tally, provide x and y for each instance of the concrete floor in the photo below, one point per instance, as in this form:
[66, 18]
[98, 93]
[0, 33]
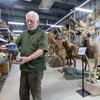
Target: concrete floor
[54, 86]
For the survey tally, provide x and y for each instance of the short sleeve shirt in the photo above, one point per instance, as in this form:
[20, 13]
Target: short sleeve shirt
[29, 44]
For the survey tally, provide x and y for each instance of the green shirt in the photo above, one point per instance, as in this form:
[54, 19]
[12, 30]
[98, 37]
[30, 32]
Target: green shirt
[29, 44]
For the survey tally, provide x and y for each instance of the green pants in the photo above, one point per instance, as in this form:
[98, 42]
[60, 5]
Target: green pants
[30, 82]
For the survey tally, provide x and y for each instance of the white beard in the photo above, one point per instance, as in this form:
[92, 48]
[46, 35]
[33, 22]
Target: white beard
[32, 28]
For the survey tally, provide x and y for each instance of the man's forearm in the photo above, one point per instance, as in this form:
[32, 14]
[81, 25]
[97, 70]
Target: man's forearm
[36, 54]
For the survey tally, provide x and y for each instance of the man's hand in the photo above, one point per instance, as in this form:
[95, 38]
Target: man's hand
[25, 59]
[3, 47]
[22, 60]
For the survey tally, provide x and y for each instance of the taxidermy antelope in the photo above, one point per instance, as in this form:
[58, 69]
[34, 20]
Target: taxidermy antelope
[59, 49]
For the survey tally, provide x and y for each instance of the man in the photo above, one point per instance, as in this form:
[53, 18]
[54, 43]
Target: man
[32, 63]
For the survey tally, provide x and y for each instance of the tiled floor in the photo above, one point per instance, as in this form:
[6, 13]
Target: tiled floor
[54, 86]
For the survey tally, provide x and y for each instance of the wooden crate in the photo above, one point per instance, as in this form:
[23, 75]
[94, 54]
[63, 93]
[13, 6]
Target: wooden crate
[4, 68]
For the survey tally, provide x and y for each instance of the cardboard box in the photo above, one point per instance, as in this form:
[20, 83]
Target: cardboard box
[4, 68]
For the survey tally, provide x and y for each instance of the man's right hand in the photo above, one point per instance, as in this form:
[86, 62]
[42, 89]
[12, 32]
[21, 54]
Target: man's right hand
[3, 47]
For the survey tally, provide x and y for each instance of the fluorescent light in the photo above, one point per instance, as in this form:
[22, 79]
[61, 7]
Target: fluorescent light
[20, 31]
[17, 35]
[56, 26]
[28, 0]
[43, 8]
[84, 10]
[16, 23]
[52, 25]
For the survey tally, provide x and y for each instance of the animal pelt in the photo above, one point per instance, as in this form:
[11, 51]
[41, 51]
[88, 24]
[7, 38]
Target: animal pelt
[61, 53]
[93, 48]
[90, 51]
[71, 49]
[51, 48]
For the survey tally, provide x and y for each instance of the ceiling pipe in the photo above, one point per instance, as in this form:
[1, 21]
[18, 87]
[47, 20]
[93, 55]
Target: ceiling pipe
[68, 14]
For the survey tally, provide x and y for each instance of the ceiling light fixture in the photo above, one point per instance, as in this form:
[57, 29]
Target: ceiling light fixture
[28, 0]
[18, 31]
[51, 25]
[83, 10]
[16, 23]
[56, 26]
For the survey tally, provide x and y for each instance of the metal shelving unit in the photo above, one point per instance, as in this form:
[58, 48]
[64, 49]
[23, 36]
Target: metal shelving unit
[6, 30]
